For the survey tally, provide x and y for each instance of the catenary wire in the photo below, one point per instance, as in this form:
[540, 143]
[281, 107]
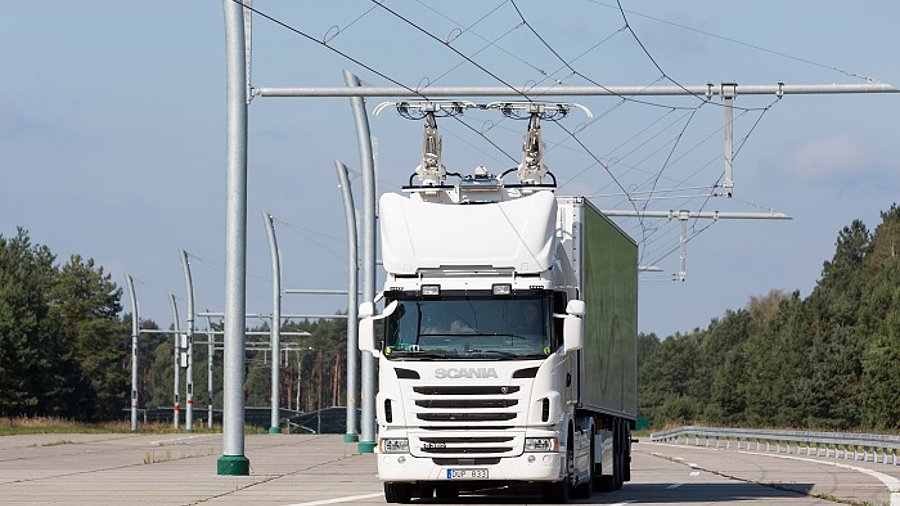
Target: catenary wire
[847, 73]
[501, 80]
[346, 56]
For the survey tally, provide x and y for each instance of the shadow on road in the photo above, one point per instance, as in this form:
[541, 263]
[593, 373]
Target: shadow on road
[643, 493]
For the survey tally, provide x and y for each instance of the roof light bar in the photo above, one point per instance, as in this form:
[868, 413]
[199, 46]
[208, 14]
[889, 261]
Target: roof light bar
[431, 290]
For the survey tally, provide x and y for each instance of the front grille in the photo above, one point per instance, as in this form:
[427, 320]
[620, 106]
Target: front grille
[475, 421]
[467, 427]
[467, 403]
[466, 417]
[469, 451]
[478, 461]
[466, 390]
[466, 439]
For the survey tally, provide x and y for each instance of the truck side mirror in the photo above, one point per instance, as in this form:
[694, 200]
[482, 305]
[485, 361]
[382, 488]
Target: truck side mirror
[367, 325]
[367, 335]
[573, 333]
[366, 328]
[573, 326]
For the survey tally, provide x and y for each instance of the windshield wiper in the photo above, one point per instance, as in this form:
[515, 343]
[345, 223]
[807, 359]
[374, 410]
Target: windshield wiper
[499, 353]
[424, 354]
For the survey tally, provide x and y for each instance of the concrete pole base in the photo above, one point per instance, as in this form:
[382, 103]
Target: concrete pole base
[366, 447]
[274, 430]
[233, 465]
[351, 437]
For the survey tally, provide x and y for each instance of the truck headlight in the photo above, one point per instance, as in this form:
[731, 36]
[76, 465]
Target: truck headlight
[397, 445]
[541, 444]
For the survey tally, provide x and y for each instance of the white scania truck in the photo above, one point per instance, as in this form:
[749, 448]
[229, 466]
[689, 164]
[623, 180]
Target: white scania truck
[507, 344]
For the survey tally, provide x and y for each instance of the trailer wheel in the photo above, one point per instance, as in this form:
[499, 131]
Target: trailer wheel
[627, 466]
[609, 483]
[619, 454]
[397, 492]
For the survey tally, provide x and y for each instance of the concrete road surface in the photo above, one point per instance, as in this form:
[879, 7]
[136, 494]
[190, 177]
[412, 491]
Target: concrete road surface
[308, 470]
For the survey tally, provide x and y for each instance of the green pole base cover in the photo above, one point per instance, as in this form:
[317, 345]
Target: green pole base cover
[350, 437]
[189, 430]
[233, 465]
[274, 430]
[367, 447]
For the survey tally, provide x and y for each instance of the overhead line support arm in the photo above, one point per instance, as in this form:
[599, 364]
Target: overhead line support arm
[703, 90]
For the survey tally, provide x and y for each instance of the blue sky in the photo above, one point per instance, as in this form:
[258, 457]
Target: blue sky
[112, 132]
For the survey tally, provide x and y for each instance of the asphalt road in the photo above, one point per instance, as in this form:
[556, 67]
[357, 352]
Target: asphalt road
[306, 470]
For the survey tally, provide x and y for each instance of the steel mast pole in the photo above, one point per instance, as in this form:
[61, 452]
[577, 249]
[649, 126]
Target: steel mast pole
[210, 354]
[269, 221]
[233, 461]
[134, 352]
[176, 405]
[351, 435]
[189, 374]
[364, 139]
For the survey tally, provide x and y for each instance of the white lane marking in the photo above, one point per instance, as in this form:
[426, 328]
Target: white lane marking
[629, 502]
[172, 440]
[695, 473]
[674, 486]
[336, 500]
[892, 483]
[692, 464]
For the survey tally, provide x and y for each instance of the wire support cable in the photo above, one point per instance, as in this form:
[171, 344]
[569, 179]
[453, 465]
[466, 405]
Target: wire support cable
[450, 47]
[579, 74]
[350, 58]
[326, 39]
[825, 66]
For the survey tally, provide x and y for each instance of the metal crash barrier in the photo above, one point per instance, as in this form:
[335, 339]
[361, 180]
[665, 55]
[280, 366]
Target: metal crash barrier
[877, 448]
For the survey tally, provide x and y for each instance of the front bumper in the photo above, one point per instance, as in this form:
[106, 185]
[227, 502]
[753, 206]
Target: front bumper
[407, 468]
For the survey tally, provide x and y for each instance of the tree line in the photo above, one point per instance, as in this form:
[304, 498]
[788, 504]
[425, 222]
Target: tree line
[312, 368]
[827, 361]
[65, 347]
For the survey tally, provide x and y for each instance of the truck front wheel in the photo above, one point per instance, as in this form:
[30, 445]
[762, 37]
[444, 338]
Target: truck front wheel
[397, 492]
[585, 489]
[559, 492]
[447, 492]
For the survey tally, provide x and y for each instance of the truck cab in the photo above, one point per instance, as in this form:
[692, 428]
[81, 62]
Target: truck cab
[482, 366]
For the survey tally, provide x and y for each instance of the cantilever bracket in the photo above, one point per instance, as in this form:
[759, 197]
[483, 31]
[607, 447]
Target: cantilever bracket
[728, 91]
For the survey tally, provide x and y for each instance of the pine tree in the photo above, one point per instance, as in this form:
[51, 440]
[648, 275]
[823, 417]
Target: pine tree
[35, 364]
[87, 302]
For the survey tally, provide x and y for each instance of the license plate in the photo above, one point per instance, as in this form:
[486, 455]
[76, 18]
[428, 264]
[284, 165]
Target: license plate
[467, 474]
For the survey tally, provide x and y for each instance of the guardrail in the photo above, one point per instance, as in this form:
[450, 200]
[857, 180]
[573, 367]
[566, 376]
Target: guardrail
[847, 445]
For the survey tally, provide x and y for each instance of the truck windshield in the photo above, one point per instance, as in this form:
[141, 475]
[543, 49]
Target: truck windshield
[469, 328]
